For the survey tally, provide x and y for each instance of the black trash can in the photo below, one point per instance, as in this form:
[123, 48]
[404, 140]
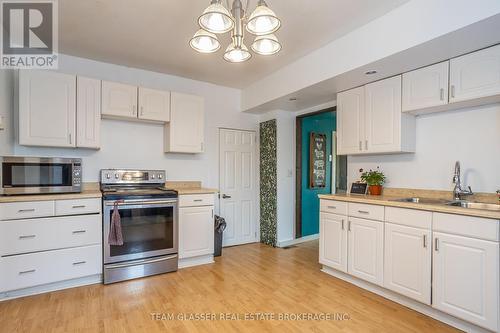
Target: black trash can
[220, 226]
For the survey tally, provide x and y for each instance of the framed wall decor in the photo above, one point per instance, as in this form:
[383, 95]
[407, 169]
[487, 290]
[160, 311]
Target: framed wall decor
[317, 160]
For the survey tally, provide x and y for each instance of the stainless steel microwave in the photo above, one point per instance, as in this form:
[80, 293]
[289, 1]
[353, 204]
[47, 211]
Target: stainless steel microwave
[39, 175]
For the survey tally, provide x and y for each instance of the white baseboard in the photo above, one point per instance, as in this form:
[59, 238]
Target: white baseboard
[295, 241]
[195, 261]
[408, 302]
[83, 281]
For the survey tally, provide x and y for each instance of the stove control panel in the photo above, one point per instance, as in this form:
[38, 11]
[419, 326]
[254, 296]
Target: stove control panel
[124, 176]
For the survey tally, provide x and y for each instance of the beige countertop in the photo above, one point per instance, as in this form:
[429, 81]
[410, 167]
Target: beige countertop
[90, 190]
[189, 187]
[388, 200]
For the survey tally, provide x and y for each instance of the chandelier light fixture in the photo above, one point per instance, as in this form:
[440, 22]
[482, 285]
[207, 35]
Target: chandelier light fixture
[216, 19]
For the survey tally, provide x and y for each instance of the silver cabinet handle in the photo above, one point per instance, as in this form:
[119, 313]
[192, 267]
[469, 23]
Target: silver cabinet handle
[360, 145]
[342, 224]
[436, 244]
[79, 206]
[27, 237]
[366, 144]
[134, 112]
[425, 241]
[69, 138]
[26, 210]
[79, 263]
[27, 272]
[142, 110]
[441, 94]
[198, 200]
[452, 88]
[79, 231]
[332, 207]
[363, 212]
[349, 226]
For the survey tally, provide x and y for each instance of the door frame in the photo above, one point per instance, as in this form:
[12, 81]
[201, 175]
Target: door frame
[256, 220]
[298, 167]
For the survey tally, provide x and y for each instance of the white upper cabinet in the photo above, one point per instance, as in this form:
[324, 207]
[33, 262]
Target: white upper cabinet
[154, 104]
[119, 100]
[88, 112]
[366, 250]
[333, 241]
[466, 279]
[47, 108]
[350, 107]
[185, 131]
[407, 261]
[475, 75]
[370, 120]
[426, 87]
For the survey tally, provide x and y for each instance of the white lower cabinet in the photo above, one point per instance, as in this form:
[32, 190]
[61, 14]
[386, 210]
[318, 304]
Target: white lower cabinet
[407, 261]
[28, 270]
[333, 241]
[196, 227]
[466, 278]
[366, 250]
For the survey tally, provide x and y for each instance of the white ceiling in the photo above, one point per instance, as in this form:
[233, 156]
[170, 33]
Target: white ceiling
[154, 34]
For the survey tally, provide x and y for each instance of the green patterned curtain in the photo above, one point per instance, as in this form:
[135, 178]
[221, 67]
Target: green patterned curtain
[268, 181]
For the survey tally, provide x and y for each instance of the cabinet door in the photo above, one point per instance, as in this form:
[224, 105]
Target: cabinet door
[88, 112]
[426, 87]
[475, 75]
[366, 250]
[333, 241]
[119, 100]
[466, 281]
[383, 116]
[196, 231]
[47, 108]
[407, 261]
[154, 104]
[350, 113]
[184, 133]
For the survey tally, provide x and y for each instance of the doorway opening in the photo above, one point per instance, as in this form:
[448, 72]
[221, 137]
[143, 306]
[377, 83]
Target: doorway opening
[318, 168]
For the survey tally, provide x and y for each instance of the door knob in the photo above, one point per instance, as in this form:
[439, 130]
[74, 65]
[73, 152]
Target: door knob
[225, 196]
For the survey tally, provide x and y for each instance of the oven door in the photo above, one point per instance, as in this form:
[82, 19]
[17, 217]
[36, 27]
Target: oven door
[149, 229]
[32, 175]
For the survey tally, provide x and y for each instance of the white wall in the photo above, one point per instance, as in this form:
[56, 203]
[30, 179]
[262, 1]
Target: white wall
[6, 110]
[471, 136]
[285, 132]
[409, 25]
[140, 145]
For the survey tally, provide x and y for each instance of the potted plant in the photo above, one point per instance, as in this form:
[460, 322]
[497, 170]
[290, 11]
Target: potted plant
[375, 179]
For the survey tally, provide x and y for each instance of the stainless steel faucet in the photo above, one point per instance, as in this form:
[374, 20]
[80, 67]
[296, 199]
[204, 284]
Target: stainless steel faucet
[458, 191]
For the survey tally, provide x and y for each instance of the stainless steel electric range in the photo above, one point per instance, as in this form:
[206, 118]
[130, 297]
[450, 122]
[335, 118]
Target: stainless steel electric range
[149, 224]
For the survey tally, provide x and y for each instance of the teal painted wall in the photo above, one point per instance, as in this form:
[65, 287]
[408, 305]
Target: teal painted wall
[323, 123]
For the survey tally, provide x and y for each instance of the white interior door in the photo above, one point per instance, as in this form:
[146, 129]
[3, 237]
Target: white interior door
[238, 204]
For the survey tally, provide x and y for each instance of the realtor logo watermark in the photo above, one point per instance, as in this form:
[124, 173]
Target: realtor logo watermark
[29, 34]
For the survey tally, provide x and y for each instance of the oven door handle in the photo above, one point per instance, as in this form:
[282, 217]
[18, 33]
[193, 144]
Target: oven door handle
[140, 202]
[140, 262]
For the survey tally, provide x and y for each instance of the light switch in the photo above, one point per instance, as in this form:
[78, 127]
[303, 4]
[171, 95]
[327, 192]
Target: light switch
[2, 123]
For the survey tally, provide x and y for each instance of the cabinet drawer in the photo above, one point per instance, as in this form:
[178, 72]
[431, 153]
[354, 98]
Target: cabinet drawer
[365, 211]
[24, 236]
[34, 269]
[476, 227]
[409, 217]
[334, 207]
[196, 200]
[78, 206]
[23, 210]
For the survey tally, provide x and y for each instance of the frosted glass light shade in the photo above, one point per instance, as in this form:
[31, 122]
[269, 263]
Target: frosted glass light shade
[216, 19]
[266, 45]
[204, 42]
[237, 54]
[263, 21]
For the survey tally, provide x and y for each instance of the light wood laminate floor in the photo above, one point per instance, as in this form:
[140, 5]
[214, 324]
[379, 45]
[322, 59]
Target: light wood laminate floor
[253, 278]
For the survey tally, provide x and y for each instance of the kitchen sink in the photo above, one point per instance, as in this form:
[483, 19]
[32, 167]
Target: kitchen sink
[475, 205]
